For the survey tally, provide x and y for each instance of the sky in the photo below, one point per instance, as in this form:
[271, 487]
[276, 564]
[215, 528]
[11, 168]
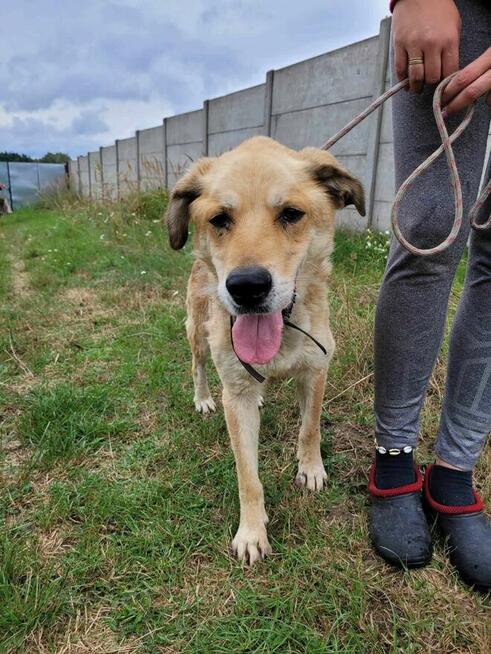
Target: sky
[78, 74]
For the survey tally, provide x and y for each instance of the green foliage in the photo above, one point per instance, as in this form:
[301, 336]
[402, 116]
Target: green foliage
[49, 157]
[15, 156]
[55, 157]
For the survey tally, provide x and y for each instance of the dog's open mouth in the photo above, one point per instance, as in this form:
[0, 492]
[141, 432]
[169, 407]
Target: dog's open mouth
[257, 337]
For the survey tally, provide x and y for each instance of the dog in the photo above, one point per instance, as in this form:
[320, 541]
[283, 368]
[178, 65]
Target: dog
[263, 218]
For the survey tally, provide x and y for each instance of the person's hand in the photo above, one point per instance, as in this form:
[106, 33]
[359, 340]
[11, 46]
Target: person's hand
[427, 30]
[468, 85]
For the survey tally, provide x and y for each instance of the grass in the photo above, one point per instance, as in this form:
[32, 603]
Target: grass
[118, 502]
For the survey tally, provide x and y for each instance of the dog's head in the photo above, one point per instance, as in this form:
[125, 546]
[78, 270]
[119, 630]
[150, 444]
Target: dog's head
[259, 211]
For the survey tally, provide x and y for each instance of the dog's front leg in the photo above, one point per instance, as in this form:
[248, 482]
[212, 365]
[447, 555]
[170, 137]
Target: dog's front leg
[250, 543]
[311, 472]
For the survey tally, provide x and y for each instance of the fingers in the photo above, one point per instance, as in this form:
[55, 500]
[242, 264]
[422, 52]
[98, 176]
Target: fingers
[428, 72]
[450, 61]
[467, 76]
[400, 62]
[470, 93]
[433, 66]
[416, 71]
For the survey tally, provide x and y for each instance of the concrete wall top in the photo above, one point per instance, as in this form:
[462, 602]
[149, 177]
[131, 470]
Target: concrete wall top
[127, 148]
[94, 157]
[108, 154]
[340, 75]
[239, 110]
[185, 128]
[152, 140]
[84, 163]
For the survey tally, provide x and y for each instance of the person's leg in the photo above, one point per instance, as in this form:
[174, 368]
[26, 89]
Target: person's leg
[413, 299]
[466, 416]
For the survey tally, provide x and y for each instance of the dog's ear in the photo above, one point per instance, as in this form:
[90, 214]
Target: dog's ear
[187, 189]
[336, 180]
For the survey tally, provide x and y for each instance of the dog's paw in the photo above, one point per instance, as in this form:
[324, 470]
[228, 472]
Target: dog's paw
[251, 544]
[313, 476]
[260, 402]
[204, 406]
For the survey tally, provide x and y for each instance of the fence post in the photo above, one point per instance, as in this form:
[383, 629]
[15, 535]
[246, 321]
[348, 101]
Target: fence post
[90, 175]
[10, 186]
[138, 170]
[79, 177]
[268, 102]
[376, 126]
[206, 116]
[102, 173]
[116, 143]
[164, 148]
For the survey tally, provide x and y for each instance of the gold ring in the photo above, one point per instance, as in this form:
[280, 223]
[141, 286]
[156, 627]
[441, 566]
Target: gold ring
[415, 61]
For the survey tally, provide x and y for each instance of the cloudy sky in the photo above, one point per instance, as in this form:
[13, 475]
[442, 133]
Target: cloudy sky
[77, 74]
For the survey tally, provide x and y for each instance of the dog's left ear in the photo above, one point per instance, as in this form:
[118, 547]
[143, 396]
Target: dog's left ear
[336, 180]
[187, 189]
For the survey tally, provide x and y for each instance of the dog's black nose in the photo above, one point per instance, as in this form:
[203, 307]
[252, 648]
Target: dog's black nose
[249, 286]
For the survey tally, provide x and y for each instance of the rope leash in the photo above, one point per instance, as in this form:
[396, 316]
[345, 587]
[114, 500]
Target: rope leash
[446, 147]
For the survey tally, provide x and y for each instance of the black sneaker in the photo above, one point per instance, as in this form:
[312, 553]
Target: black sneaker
[398, 527]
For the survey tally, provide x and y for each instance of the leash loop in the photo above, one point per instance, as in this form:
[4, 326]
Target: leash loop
[446, 147]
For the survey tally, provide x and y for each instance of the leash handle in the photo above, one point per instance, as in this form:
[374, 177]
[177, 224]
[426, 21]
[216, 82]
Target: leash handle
[446, 147]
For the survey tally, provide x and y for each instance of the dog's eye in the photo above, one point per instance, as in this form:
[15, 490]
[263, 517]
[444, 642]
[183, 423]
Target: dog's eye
[290, 215]
[221, 221]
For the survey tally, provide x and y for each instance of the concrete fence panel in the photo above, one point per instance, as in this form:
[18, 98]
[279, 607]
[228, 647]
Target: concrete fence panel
[95, 175]
[73, 176]
[83, 169]
[184, 141]
[151, 150]
[127, 164]
[235, 117]
[109, 172]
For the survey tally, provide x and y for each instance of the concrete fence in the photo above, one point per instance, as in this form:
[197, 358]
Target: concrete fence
[300, 105]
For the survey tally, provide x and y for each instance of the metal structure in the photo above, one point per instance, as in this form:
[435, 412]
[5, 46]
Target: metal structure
[25, 181]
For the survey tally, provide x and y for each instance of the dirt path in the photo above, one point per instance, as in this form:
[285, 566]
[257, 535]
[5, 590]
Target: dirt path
[20, 278]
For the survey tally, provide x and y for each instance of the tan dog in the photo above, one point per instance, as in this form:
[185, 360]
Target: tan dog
[263, 220]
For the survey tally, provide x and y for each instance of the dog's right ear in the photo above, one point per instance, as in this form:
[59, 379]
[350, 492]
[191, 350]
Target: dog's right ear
[187, 189]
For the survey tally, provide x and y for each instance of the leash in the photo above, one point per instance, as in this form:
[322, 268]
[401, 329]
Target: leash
[446, 147]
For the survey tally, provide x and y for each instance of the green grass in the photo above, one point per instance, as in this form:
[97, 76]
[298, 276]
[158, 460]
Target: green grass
[118, 502]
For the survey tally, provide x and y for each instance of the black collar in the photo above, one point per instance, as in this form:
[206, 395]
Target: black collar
[286, 321]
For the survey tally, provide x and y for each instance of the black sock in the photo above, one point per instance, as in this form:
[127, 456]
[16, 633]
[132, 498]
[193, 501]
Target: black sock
[393, 471]
[451, 487]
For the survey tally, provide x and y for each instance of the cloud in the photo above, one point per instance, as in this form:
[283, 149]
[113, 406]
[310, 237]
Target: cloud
[89, 72]
[89, 122]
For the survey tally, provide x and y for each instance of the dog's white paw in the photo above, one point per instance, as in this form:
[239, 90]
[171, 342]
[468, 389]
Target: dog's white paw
[251, 544]
[313, 476]
[204, 406]
[260, 402]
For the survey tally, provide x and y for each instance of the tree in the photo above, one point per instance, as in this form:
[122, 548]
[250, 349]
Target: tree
[14, 156]
[49, 157]
[54, 157]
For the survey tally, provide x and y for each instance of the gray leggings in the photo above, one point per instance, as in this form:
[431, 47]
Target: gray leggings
[413, 300]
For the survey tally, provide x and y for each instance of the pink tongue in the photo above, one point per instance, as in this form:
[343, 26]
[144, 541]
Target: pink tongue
[257, 337]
